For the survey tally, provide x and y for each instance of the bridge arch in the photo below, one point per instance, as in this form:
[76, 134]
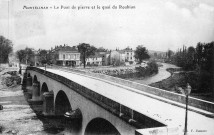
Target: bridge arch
[62, 104]
[28, 75]
[35, 78]
[89, 110]
[100, 126]
[44, 88]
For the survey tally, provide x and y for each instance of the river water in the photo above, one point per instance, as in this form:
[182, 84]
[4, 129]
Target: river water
[20, 118]
[161, 75]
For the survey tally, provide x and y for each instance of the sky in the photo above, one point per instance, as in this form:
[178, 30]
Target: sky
[156, 24]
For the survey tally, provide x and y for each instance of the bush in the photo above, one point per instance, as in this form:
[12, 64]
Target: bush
[153, 67]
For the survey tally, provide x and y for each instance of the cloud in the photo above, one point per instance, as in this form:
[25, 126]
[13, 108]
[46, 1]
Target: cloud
[206, 7]
[156, 24]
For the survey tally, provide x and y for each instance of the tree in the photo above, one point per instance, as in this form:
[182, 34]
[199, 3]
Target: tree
[205, 61]
[26, 55]
[141, 53]
[29, 55]
[201, 61]
[199, 53]
[190, 59]
[169, 53]
[44, 57]
[6, 47]
[101, 49]
[21, 55]
[86, 50]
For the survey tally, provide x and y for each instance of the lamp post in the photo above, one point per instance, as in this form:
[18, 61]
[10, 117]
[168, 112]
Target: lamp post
[45, 66]
[186, 92]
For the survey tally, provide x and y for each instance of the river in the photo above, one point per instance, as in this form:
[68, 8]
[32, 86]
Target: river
[161, 75]
[18, 117]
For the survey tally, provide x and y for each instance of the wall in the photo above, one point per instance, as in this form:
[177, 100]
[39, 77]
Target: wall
[94, 60]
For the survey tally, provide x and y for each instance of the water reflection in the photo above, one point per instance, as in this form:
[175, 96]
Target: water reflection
[59, 125]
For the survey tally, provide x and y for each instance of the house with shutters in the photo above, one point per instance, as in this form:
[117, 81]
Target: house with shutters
[67, 56]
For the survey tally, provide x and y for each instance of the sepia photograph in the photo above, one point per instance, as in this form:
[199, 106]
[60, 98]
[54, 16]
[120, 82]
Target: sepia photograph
[107, 67]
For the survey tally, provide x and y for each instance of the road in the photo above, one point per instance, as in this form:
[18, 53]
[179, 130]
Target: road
[161, 75]
[161, 111]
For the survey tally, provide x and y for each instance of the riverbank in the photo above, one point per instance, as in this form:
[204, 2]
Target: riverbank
[20, 118]
[180, 78]
[16, 116]
[161, 75]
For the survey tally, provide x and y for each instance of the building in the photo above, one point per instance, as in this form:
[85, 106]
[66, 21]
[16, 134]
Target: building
[67, 56]
[129, 55]
[105, 58]
[95, 60]
[117, 57]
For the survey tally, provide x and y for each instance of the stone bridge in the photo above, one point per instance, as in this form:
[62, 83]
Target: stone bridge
[97, 103]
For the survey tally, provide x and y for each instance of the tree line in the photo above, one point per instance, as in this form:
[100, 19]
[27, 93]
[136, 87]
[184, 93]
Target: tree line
[6, 47]
[48, 57]
[199, 59]
[27, 55]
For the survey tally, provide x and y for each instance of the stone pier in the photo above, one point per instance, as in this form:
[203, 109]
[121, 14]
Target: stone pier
[36, 99]
[48, 104]
[24, 82]
[29, 84]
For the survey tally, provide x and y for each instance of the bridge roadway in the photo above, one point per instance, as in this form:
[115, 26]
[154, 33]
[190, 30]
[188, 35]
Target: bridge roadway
[171, 115]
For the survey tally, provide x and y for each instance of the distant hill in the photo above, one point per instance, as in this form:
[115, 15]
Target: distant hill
[158, 52]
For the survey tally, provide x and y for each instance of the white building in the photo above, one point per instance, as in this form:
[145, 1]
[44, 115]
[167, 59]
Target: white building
[117, 57]
[96, 59]
[67, 56]
[129, 55]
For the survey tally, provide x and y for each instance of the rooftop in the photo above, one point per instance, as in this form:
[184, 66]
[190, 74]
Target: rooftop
[66, 48]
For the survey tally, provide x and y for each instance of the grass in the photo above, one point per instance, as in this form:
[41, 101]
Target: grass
[180, 78]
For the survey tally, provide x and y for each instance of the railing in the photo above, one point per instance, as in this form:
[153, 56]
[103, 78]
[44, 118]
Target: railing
[198, 103]
[132, 117]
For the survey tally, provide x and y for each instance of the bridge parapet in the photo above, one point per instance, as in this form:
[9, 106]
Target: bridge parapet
[159, 131]
[127, 114]
[194, 102]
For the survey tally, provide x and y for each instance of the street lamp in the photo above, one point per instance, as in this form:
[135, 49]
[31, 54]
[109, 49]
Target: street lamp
[45, 66]
[186, 92]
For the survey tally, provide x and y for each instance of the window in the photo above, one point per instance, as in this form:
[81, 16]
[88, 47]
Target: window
[72, 56]
[63, 56]
[60, 56]
[78, 56]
